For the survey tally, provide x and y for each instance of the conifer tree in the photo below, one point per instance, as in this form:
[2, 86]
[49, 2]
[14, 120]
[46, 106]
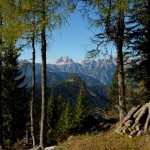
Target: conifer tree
[58, 118]
[12, 28]
[65, 120]
[52, 117]
[80, 110]
[138, 35]
[13, 94]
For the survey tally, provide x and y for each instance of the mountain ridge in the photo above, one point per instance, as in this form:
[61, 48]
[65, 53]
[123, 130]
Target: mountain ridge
[101, 69]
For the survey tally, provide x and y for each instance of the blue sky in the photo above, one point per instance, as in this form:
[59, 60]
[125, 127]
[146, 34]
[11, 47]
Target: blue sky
[72, 40]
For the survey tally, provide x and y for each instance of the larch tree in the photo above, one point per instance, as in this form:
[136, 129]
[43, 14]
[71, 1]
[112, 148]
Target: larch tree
[43, 84]
[52, 15]
[33, 19]
[30, 12]
[111, 21]
[45, 12]
[33, 91]
[119, 41]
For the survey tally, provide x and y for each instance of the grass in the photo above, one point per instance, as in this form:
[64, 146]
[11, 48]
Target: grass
[106, 141]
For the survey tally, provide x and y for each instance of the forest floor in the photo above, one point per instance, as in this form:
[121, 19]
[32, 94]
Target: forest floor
[106, 141]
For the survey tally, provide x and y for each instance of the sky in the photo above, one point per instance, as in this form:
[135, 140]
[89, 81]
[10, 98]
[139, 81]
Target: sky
[73, 40]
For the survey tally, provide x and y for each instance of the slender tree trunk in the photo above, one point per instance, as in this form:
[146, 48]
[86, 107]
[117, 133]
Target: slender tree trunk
[33, 92]
[148, 55]
[120, 66]
[44, 101]
[1, 116]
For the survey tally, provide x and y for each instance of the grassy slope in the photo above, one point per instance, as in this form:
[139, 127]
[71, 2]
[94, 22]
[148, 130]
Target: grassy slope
[107, 141]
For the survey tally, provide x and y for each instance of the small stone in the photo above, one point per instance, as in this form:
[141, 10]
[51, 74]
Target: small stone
[51, 148]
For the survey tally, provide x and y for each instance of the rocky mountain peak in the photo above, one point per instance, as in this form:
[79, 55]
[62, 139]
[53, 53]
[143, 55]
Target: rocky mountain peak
[109, 57]
[101, 69]
[63, 60]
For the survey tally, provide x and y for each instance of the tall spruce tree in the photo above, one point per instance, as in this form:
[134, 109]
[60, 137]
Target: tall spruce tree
[13, 94]
[139, 31]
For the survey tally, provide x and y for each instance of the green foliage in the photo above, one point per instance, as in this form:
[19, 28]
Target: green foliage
[65, 122]
[138, 47]
[69, 89]
[58, 118]
[52, 116]
[61, 117]
[14, 97]
[81, 106]
[113, 89]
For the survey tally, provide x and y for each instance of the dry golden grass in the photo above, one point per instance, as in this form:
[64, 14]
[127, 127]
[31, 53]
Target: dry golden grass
[107, 141]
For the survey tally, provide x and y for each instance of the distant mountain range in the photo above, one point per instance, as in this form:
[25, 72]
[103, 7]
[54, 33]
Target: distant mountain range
[92, 72]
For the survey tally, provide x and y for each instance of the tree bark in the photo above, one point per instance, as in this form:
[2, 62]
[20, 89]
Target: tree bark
[33, 92]
[1, 116]
[44, 101]
[120, 66]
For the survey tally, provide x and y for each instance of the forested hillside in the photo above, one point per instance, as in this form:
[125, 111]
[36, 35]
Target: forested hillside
[69, 90]
[44, 112]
